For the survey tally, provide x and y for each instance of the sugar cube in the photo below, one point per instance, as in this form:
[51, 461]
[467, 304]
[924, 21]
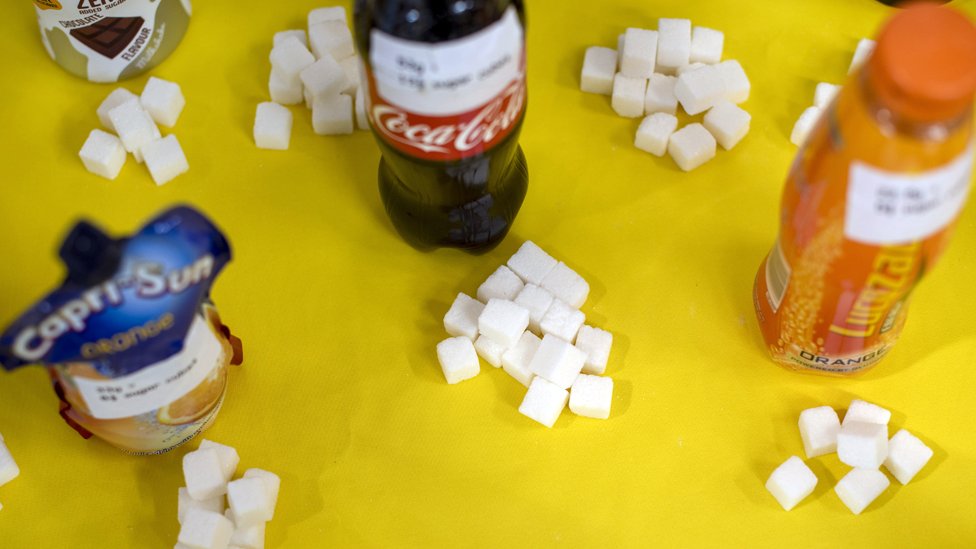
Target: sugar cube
[691, 146]
[804, 125]
[860, 410]
[285, 91]
[818, 429]
[103, 154]
[727, 123]
[700, 89]
[734, 81]
[489, 350]
[862, 444]
[134, 126]
[360, 107]
[791, 482]
[860, 487]
[249, 537]
[272, 126]
[824, 94]
[290, 58]
[330, 38]
[906, 456]
[659, 96]
[536, 300]
[163, 100]
[654, 132]
[324, 78]
[458, 359]
[531, 263]
[706, 45]
[557, 361]
[8, 467]
[544, 401]
[271, 481]
[502, 284]
[515, 361]
[332, 115]
[638, 54]
[620, 49]
[165, 159]
[595, 344]
[184, 503]
[204, 475]
[320, 15]
[350, 66]
[627, 98]
[674, 42]
[599, 66]
[689, 67]
[297, 34]
[865, 48]
[226, 454]
[503, 321]
[249, 500]
[203, 529]
[114, 99]
[565, 284]
[462, 318]
[562, 321]
[590, 396]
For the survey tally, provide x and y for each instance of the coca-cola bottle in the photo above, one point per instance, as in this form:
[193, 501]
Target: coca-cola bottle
[445, 97]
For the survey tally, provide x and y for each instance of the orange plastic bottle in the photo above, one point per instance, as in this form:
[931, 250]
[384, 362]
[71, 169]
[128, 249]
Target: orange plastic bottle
[872, 198]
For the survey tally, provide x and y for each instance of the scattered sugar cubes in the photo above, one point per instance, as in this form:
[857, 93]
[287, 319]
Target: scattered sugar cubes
[860, 487]
[332, 115]
[103, 154]
[458, 359]
[659, 96]
[531, 263]
[537, 301]
[249, 501]
[204, 474]
[490, 351]
[203, 529]
[163, 100]
[272, 126]
[271, 481]
[727, 123]
[862, 444]
[860, 410]
[865, 48]
[804, 125]
[701, 89]
[134, 126]
[818, 429]
[906, 456]
[791, 482]
[655, 132]
[562, 321]
[627, 98]
[638, 54]
[350, 66]
[567, 285]
[114, 99]
[674, 42]
[462, 318]
[591, 396]
[824, 94]
[515, 361]
[734, 81]
[321, 15]
[501, 284]
[184, 503]
[503, 321]
[557, 361]
[229, 459]
[165, 159]
[688, 68]
[297, 34]
[246, 537]
[285, 91]
[544, 401]
[331, 39]
[599, 66]
[324, 79]
[8, 467]
[706, 45]
[290, 58]
[595, 344]
[691, 146]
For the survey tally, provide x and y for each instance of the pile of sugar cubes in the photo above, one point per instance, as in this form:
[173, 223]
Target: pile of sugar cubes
[320, 69]
[133, 119]
[251, 501]
[651, 72]
[527, 321]
[861, 441]
[8, 467]
[825, 93]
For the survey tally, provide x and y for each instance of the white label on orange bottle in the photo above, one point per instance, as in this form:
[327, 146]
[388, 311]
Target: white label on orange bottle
[885, 208]
[157, 385]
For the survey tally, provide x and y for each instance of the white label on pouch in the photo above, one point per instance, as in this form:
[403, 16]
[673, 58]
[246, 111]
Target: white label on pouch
[450, 77]
[890, 208]
[157, 385]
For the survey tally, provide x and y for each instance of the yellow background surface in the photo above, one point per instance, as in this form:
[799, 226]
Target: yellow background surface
[341, 393]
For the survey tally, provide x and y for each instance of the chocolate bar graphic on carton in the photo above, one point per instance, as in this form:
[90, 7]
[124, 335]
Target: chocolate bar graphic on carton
[109, 36]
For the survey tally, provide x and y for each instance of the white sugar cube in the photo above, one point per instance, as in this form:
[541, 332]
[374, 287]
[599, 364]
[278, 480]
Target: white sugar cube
[271, 481]
[674, 42]
[590, 396]
[272, 126]
[458, 359]
[285, 91]
[290, 58]
[865, 48]
[502, 284]
[544, 401]
[557, 361]
[818, 429]
[360, 107]
[638, 54]
[249, 537]
[595, 344]
[320, 15]
[203, 529]
[462, 318]
[103, 154]
[331, 38]
[734, 81]
[860, 487]
[134, 126]
[654, 132]
[599, 66]
[531, 263]
[307, 96]
[165, 159]
[297, 34]
[565, 284]
[627, 98]
[324, 78]
[620, 49]
[163, 100]
[114, 99]
[515, 361]
[860, 410]
[8, 467]
[489, 350]
[804, 125]
[727, 123]
[659, 96]
[706, 45]
[862, 444]
[332, 115]
[503, 321]
[701, 89]
[536, 300]
[791, 482]
[184, 503]
[204, 475]
[691, 146]
[906, 456]
[562, 321]
[249, 501]
[689, 67]
[228, 457]
[350, 66]
[824, 94]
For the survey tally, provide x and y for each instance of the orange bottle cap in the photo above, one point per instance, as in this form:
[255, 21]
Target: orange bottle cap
[924, 64]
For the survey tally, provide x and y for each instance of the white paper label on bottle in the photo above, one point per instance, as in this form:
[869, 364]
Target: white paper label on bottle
[885, 208]
[157, 385]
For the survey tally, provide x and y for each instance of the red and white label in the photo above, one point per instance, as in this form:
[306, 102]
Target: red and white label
[449, 100]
